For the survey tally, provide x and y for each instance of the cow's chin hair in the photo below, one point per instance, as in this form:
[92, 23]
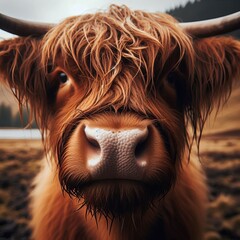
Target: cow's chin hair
[116, 199]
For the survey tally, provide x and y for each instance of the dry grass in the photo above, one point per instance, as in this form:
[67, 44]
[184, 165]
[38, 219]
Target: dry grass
[221, 159]
[19, 163]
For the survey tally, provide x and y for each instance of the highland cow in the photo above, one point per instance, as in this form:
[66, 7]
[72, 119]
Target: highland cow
[114, 94]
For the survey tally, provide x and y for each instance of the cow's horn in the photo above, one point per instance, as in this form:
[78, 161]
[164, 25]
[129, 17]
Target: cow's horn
[22, 27]
[212, 27]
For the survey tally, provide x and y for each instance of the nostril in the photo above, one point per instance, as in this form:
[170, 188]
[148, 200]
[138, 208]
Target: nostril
[93, 143]
[140, 149]
[91, 138]
[141, 146]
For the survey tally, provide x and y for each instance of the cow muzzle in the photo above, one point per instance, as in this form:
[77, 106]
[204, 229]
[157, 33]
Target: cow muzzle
[116, 154]
[116, 163]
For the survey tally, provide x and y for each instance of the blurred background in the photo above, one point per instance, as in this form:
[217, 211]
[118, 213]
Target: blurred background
[21, 149]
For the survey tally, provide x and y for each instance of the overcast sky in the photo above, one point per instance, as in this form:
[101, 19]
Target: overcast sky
[56, 10]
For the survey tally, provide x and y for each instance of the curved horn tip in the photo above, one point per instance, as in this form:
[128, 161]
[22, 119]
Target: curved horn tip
[213, 27]
[23, 28]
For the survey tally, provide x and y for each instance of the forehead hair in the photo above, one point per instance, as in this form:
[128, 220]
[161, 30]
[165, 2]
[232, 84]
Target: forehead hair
[119, 42]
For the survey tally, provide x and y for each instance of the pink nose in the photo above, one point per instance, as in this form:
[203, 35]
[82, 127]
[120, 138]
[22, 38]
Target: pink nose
[118, 154]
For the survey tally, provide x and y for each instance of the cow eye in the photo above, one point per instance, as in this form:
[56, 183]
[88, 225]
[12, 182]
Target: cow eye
[63, 78]
[172, 78]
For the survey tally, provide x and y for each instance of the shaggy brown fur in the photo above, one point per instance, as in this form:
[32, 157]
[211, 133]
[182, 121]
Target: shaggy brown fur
[125, 69]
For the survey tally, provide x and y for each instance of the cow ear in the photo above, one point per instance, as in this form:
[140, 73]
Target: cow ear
[21, 71]
[217, 67]
[19, 67]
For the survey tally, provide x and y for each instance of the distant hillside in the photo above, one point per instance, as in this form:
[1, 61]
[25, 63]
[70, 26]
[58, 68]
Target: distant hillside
[206, 9]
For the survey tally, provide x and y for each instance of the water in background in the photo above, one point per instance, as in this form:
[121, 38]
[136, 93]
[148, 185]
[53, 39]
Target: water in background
[20, 134]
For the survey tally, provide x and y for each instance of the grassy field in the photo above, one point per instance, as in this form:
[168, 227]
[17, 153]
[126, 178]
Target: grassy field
[220, 156]
[19, 163]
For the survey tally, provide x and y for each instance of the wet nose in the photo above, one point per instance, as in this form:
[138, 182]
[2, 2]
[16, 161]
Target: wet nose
[116, 154]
